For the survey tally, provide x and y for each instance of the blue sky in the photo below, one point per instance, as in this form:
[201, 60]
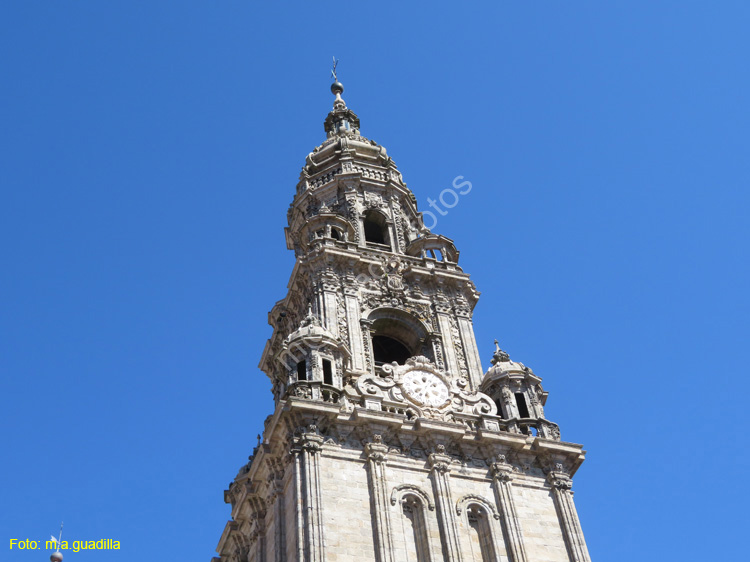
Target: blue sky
[150, 151]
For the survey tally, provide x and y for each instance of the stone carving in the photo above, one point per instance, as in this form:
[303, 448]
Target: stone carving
[468, 499]
[560, 481]
[402, 490]
[341, 319]
[458, 347]
[427, 390]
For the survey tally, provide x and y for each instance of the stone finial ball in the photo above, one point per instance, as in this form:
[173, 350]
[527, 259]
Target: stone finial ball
[337, 88]
[56, 557]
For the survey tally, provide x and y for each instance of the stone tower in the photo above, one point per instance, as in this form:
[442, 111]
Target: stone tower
[388, 441]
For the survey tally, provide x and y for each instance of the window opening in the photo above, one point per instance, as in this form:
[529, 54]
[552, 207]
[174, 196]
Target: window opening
[302, 371]
[523, 409]
[414, 529]
[388, 349]
[327, 372]
[499, 404]
[375, 228]
[481, 538]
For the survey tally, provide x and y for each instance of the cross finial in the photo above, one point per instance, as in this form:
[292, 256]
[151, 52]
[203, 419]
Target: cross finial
[57, 555]
[333, 70]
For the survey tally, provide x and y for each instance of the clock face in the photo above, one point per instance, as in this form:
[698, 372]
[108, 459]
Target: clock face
[425, 387]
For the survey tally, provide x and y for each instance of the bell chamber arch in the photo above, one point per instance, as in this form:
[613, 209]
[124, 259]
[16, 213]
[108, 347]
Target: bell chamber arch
[396, 335]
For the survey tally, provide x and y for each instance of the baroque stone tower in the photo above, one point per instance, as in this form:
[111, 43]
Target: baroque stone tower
[388, 442]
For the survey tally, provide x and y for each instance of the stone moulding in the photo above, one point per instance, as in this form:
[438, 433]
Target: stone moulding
[399, 492]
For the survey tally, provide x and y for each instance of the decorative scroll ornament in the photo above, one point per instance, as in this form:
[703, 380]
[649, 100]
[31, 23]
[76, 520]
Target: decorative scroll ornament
[420, 387]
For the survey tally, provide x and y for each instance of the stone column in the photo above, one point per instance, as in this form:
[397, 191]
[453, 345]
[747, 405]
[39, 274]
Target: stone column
[566, 512]
[311, 546]
[439, 472]
[376, 453]
[502, 474]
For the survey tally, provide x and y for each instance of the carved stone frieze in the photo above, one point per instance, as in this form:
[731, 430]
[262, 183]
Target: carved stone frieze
[458, 346]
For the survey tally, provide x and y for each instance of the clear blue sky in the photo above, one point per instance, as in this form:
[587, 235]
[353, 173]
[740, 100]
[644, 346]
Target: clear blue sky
[150, 151]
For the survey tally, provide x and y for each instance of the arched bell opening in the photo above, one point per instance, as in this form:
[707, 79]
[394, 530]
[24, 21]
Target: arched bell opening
[396, 335]
[387, 349]
[376, 228]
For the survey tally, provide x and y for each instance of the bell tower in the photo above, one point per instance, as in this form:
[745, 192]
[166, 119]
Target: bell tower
[388, 442]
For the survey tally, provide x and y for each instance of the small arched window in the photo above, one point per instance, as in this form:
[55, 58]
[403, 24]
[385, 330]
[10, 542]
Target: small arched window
[396, 336]
[480, 534]
[414, 528]
[376, 229]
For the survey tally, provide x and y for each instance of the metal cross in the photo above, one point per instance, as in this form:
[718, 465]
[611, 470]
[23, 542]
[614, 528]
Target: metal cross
[333, 72]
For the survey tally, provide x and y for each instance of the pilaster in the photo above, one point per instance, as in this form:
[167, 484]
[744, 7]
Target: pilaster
[502, 474]
[376, 460]
[312, 548]
[279, 513]
[474, 364]
[440, 474]
[449, 351]
[355, 332]
[566, 512]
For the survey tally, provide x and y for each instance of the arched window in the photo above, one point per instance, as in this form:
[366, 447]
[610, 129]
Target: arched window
[480, 534]
[414, 529]
[376, 229]
[396, 336]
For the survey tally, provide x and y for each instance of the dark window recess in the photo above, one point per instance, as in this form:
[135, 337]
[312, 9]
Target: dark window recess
[375, 228]
[499, 404]
[387, 350]
[335, 234]
[302, 371]
[327, 372]
[523, 409]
